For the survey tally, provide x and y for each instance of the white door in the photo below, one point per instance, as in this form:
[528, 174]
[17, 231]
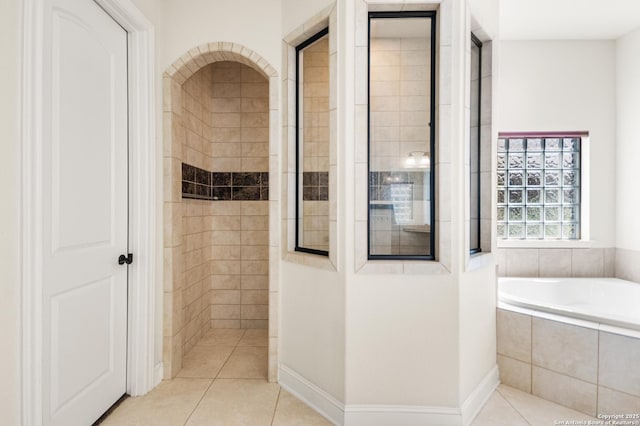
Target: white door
[85, 188]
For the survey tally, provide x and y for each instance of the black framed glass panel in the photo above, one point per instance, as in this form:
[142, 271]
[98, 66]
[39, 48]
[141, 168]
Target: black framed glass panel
[474, 141]
[401, 135]
[312, 144]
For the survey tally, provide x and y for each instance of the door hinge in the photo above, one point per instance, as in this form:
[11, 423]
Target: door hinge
[128, 259]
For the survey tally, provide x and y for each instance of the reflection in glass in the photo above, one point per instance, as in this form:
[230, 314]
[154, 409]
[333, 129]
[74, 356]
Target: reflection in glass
[312, 131]
[401, 167]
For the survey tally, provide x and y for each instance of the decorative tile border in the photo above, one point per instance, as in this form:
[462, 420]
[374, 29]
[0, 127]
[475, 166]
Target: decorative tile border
[315, 186]
[201, 184]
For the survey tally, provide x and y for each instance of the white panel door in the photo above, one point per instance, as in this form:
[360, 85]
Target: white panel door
[85, 212]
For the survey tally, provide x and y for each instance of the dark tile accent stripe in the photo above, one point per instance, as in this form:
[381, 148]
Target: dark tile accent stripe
[315, 186]
[201, 184]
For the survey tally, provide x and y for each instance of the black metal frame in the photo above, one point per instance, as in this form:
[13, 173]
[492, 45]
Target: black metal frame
[300, 47]
[431, 14]
[473, 250]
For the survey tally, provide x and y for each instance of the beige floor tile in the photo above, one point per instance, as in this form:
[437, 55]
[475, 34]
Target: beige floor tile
[222, 337]
[255, 337]
[237, 402]
[290, 411]
[248, 362]
[498, 412]
[537, 411]
[169, 404]
[204, 361]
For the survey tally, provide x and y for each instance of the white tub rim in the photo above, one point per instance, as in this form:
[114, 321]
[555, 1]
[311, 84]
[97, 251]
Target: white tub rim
[555, 313]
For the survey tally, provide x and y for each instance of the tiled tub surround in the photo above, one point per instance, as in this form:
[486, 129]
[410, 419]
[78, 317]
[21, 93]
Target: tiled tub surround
[216, 116]
[556, 262]
[574, 365]
[224, 186]
[627, 264]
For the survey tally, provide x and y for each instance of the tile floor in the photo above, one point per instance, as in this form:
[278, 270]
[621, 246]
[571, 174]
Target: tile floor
[223, 382]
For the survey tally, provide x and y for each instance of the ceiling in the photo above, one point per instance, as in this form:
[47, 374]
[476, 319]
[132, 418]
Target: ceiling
[568, 19]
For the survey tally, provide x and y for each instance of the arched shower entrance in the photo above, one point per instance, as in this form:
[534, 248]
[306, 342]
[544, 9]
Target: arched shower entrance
[221, 239]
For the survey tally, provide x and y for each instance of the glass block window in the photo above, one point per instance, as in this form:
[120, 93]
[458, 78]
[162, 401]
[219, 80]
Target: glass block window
[538, 188]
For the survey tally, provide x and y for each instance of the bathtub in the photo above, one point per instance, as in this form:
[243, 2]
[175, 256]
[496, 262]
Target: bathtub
[597, 302]
[573, 341]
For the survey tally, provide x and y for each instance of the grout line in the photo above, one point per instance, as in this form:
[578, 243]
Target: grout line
[512, 406]
[199, 401]
[275, 408]
[231, 354]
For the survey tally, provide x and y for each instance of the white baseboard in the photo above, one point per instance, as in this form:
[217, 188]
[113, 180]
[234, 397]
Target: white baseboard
[312, 395]
[480, 395]
[385, 415]
[406, 415]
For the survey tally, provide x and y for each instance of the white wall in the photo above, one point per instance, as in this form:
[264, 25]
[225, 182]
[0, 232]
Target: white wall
[567, 85]
[406, 332]
[628, 141]
[189, 23]
[312, 302]
[10, 172]
[296, 12]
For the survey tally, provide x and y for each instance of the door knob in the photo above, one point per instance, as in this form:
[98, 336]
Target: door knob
[128, 259]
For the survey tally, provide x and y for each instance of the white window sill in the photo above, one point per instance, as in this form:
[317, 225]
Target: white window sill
[427, 267]
[545, 244]
[308, 259]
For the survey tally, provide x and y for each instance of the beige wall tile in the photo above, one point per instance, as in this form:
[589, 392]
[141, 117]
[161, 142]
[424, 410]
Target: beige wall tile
[522, 262]
[514, 335]
[564, 390]
[220, 252]
[254, 238]
[627, 264]
[255, 297]
[254, 282]
[555, 262]
[588, 262]
[225, 282]
[255, 223]
[565, 349]
[254, 267]
[515, 373]
[255, 323]
[609, 262]
[225, 297]
[224, 312]
[614, 402]
[225, 324]
[619, 361]
[258, 312]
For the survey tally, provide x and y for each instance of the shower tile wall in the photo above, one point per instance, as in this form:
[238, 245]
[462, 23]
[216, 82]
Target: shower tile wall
[196, 110]
[239, 230]
[224, 127]
[316, 146]
[399, 97]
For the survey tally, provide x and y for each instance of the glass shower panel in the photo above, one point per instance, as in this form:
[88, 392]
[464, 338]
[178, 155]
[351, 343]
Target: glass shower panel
[312, 132]
[401, 59]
